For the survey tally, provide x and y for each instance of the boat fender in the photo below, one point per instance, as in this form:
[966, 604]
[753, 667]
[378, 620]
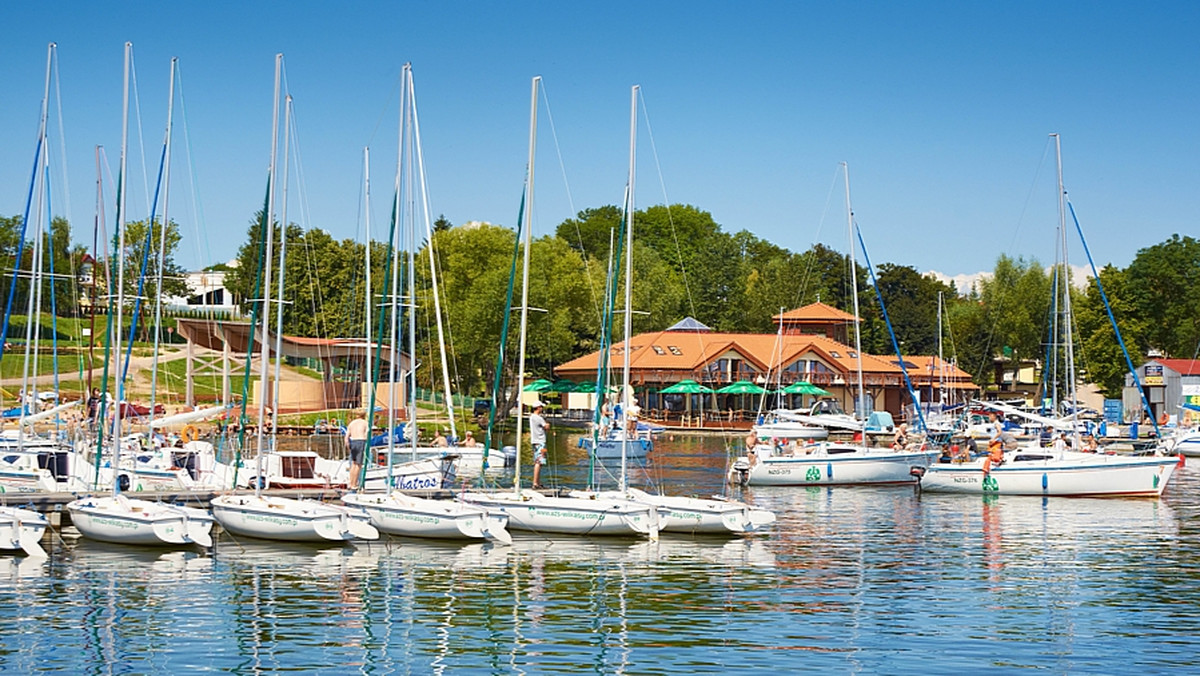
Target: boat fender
[123, 482]
[189, 433]
[1182, 461]
[917, 472]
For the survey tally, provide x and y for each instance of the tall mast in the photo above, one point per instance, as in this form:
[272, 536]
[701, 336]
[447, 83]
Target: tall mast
[533, 101]
[115, 336]
[629, 202]
[162, 240]
[433, 274]
[95, 273]
[405, 157]
[366, 257]
[1068, 343]
[266, 315]
[287, 126]
[858, 413]
[941, 362]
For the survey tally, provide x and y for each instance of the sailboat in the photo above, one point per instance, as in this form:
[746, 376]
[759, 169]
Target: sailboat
[273, 517]
[1060, 472]
[676, 513]
[32, 462]
[531, 510]
[832, 463]
[392, 511]
[22, 529]
[390, 464]
[117, 518]
[614, 437]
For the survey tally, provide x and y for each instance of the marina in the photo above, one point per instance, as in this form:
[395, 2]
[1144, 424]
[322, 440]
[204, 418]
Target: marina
[377, 413]
[882, 579]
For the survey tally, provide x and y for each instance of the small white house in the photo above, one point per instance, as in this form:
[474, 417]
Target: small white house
[206, 293]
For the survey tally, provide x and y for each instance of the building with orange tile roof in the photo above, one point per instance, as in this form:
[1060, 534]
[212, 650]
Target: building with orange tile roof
[810, 347]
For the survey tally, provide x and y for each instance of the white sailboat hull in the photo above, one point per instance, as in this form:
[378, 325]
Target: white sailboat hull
[24, 468]
[123, 520]
[1075, 474]
[17, 480]
[681, 514]
[613, 449]
[276, 518]
[399, 514]
[532, 511]
[22, 529]
[790, 430]
[832, 464]
[1188, 443]
[422, 474]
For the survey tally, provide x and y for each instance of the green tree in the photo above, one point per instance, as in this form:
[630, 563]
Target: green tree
[146, 249]
[1163, 284]
[474, 266]
[1102, 361]
[590, 232]
[61, 292]
[1017, 298]
[912, 305]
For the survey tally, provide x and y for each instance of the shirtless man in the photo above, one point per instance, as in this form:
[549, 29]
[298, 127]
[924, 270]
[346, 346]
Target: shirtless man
[356, 442]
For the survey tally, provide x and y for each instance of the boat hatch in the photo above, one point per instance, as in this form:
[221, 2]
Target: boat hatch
[297, 468]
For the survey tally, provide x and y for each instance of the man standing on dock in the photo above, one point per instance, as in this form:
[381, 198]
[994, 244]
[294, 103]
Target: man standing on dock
[357, 431]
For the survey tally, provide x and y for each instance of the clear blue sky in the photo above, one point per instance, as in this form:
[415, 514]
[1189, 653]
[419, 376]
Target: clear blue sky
[941, 109]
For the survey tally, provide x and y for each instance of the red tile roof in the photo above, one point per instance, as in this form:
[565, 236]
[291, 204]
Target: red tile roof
[1185, 367]
[816, 312]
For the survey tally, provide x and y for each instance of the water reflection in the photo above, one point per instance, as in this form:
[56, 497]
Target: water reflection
[880, 580]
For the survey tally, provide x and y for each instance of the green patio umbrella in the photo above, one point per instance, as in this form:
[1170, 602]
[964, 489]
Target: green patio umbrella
[687, 387]
[803, 387]
[590, 387]
[742, 387]
[564, 386]
[539, 385]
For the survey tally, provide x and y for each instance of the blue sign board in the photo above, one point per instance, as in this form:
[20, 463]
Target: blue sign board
[1114, 410]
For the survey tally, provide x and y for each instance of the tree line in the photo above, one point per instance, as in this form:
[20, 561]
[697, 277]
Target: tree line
[685, 264]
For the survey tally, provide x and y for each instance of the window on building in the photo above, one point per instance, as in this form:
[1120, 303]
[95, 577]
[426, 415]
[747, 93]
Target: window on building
[835, 354]
[658, 350]
[675, 351]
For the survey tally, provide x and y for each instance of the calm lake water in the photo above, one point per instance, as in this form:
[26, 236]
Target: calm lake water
[849, 579]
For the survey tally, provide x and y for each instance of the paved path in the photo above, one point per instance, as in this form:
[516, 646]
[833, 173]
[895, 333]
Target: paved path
[139, 369]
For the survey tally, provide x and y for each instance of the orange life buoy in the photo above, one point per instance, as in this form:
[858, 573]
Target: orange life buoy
[189, 433]
[1163, 419]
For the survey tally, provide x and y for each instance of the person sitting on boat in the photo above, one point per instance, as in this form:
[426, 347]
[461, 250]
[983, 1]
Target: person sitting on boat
[900, 441]
[1090, 444]
[995, 457]
[1060, 443]
[469, 440]
[440, 440]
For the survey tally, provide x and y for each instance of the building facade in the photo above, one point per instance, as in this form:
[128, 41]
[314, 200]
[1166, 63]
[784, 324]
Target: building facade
[810, 346]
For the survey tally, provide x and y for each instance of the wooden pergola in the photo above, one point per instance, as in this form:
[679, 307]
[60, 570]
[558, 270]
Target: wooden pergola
[214, 346]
